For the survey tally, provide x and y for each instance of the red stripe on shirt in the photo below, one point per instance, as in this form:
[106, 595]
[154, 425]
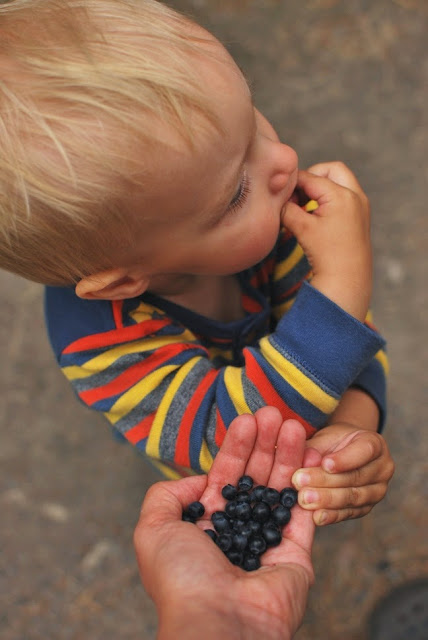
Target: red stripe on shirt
[250, 305]
[262, 275]
[131, 376]
[256, 374]
[181, 456]
[140, 430]
[117, 306]
[109, 338]
[221, 430]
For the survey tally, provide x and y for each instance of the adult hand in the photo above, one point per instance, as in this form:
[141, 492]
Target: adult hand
[196, 589]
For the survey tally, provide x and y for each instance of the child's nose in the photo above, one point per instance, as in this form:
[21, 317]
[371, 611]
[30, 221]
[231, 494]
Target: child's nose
[285, 163]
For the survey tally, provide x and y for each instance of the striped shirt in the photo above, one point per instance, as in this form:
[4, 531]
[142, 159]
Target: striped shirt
[171, 381]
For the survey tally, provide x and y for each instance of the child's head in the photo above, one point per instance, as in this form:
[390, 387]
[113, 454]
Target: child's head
[129, 149]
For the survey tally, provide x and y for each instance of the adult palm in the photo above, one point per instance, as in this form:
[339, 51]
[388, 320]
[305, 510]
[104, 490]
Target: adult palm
[188, 576]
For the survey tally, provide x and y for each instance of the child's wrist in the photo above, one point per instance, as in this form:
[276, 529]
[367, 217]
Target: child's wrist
[351, 297]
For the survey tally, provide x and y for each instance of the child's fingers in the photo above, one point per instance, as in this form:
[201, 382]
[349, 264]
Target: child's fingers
[365, 447]
[376, 471]
[338, 173]
[311, 457]
[324, 190]
[316, 187]
[341, 498]
[323, 517]
[297, 220]
[269, 421]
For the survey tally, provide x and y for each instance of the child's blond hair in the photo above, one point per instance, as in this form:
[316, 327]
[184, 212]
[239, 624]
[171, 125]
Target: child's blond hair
[77, 78]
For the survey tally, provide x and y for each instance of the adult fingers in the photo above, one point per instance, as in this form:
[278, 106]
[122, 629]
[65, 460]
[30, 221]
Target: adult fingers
[289, 456]
[289, 453]
[259, 466]
[165, 501]
[231, 461]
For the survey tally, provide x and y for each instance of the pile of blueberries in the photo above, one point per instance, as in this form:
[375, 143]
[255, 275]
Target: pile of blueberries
[251, 523]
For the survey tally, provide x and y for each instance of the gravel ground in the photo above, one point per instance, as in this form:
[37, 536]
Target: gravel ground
[339, 81]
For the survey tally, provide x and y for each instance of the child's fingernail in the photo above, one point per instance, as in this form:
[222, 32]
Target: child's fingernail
[328, 464]
[310, 497]
[301, 479]
[322, 518]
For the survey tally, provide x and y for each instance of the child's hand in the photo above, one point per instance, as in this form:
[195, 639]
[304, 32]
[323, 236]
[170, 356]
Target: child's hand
[336, 236]
[355, 469]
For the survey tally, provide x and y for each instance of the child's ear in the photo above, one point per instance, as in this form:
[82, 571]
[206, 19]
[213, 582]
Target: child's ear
[113, 284]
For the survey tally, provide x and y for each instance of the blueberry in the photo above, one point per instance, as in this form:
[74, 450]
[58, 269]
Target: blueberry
[271, 496]
[257, 493]
[251, 562]
[237, 524]
[261, 512]
[230, 508]
[240, 541]
[243, 496]
[245, 483]
[243, 511]
[257, 545]
[281, 515]
[272, 536]
[186, 517]
[255, 527]
[220, 521]
[288, 497]
[235, 556]
[246, 529]
[196, 510]
[212, 534]
[224, 541]
[229, 492]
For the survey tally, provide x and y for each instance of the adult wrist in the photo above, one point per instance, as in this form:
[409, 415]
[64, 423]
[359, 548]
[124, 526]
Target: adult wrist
[194, 619]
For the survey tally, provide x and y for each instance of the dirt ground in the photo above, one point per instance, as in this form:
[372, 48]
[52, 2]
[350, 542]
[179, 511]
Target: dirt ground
[339, 80]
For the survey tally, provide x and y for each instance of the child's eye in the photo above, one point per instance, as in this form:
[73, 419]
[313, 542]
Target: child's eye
[241, 195]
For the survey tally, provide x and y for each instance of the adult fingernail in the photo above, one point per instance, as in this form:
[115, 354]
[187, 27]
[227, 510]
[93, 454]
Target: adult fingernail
[310, 497]
[301, 479]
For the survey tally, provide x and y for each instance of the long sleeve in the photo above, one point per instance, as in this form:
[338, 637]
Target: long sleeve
[159, 383]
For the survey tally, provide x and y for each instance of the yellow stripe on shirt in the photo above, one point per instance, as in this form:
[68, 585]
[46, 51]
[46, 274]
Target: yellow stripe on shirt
[298, 380]
[383, 359]
[105, 360]
[152, 448]
[233, 382]
[131, 398]
[205, 458]
[289, 263]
